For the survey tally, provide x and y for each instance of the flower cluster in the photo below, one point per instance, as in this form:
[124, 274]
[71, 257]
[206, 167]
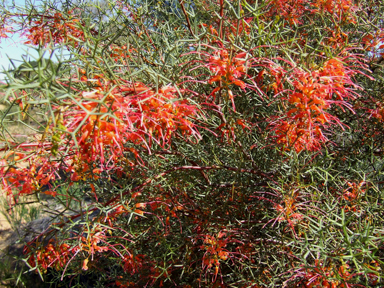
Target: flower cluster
[50, 256]
[5, 28]
[325, 276]
[27, 180]
[293, 11]
[313, 94]
[214, 251]
[55, 28]
[227, 70]
[135, 113]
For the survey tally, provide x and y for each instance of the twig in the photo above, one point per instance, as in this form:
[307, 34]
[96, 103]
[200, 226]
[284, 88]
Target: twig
[187, 18]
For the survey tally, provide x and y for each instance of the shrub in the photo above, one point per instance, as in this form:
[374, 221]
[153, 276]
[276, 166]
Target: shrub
[218, 143]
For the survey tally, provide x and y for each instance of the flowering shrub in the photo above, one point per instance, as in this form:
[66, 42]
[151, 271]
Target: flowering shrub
[202, 143]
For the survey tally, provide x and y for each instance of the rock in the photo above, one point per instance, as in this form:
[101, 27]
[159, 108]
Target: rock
[14, 244]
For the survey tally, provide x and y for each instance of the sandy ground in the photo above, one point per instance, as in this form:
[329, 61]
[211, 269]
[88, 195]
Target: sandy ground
[5, 231]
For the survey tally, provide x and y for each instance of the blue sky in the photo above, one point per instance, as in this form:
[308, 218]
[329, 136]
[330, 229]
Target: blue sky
[14, 48]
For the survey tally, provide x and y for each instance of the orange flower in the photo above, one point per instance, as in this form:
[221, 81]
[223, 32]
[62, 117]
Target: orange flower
[85, 264]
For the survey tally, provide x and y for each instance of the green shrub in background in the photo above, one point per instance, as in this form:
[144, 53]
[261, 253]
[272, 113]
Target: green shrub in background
[204, 143]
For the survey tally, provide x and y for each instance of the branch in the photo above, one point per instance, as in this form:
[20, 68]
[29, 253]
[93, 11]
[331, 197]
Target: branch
[187, 18]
